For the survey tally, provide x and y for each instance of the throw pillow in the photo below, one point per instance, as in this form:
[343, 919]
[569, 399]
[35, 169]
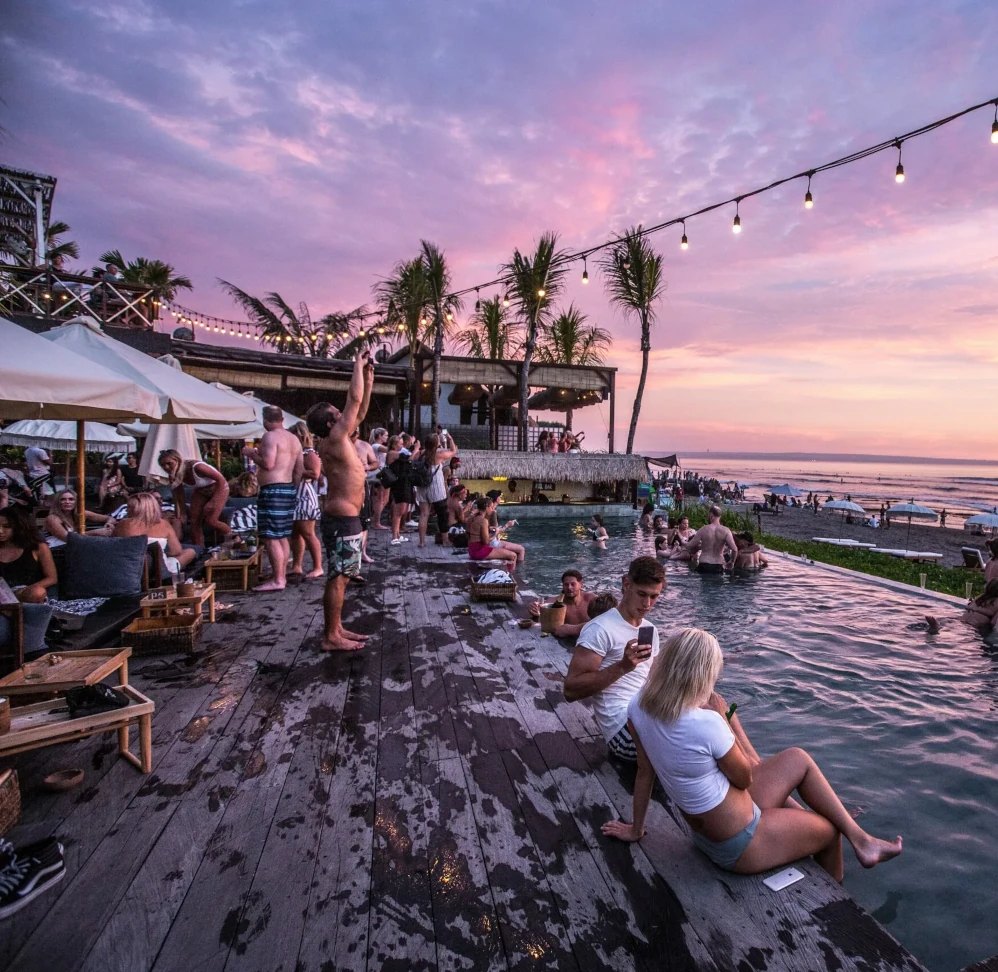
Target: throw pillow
[103, 566]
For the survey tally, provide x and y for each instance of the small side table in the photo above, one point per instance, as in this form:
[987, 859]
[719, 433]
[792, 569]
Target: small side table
[153, 606]
[72, 669]
[237, 568]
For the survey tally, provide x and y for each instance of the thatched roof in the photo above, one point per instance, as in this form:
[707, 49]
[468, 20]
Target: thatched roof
[590, 467]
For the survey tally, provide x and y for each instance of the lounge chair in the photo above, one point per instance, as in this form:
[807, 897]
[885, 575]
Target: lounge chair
[972, 558]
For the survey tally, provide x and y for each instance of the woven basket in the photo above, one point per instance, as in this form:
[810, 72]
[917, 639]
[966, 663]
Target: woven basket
[176, 634]
[10, 801]
[493, 592]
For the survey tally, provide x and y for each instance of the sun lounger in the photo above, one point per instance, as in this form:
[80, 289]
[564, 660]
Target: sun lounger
[843, 542]
[972, 558]
[916, 555]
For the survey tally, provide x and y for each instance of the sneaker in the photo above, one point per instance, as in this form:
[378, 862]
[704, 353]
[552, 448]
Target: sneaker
[396, 541]
[412, 524]
[29, 871]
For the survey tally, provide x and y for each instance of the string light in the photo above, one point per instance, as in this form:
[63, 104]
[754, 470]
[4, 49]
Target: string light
[736, 226]
[808, 198]
[585, 271]
[541, 292]
[505, 300]
[684, 244]
[994, 127]
[478, 303]
[450, 315]
[401, 328]
[899, 171]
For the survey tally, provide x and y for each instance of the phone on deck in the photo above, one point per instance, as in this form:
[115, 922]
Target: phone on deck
[645, 633]
[783, 879]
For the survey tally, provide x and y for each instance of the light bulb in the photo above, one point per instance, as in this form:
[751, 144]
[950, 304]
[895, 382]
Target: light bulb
[808, 200]
[736, 226]
[256, 337]
[541, 291]
[381, 330]
[345, 335]
[422, 322]
[684, 244]
[362, 333]
[505, 300]
[401, 328]
[899, 174]
[585, 276]
[450, 315]
[994, 131]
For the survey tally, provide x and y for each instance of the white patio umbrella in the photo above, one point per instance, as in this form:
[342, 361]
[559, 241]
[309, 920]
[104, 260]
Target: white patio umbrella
[846, 506]
[785, 490]
[41, 380]
[912, 510]
[984, 519]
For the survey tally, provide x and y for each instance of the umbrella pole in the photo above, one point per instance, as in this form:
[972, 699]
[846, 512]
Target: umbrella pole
[81, 484]
[218, 454]
[907, 540]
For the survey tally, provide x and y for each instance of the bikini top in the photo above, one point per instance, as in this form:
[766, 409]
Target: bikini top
[23, 571]
[200, 482]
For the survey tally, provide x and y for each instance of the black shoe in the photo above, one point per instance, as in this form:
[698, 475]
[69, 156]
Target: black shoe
[28, 871]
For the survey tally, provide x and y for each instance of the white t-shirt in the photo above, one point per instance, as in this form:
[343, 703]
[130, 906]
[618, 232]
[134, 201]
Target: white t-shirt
[685, 754]
[608, 635]
[35, 459]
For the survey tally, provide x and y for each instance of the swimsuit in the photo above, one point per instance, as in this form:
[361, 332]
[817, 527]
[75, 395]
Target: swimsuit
[479, 551]
[342, 536]
[306, 502]
[725, 853]
[622, 746]
[201, 482]
[275, 510]
[22, 572]
[711, 568]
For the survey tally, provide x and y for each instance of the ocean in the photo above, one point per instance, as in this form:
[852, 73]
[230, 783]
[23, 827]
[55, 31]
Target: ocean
[961, 487]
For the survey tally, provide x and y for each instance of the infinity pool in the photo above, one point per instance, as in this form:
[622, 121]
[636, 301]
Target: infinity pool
[902, 723]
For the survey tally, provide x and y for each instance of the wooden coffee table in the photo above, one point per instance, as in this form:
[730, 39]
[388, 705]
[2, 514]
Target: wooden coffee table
[153, 606]
[237, 568]
[48, 723]
[72, 669]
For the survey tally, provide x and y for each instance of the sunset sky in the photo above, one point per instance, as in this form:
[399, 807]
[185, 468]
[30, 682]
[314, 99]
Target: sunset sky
[306, 147]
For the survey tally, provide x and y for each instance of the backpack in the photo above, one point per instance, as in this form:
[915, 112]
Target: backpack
[421, 475]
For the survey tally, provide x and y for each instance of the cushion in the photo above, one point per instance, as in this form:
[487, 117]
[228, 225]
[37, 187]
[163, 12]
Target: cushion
[35, 618]
[103, 566]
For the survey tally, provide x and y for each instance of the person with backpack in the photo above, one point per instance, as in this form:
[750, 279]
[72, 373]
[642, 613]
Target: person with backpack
[398, 481]
[428, 479]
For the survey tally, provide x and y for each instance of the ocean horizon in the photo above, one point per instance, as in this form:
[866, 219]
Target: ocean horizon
[821, 457]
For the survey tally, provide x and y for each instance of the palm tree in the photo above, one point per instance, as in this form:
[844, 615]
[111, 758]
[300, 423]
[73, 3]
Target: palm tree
[291, 332]
[437, 275]
[403, 299]
[534, 282]
[494, 336]
[569, 340]
[155, 275]
[56, 248]
[633, 272]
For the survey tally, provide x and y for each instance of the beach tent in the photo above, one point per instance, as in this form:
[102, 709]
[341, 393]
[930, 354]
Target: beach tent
[182, 398]
[40, 380]
[786, 490]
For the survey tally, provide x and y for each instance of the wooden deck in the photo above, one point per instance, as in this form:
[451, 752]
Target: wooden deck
[430, 802]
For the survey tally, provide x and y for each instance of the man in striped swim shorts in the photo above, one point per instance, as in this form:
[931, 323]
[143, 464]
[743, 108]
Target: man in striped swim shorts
[279, 465]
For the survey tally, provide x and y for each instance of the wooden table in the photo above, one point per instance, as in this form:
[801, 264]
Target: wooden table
[152, 606]
[72, 670]
[48, 723]
[240, 565]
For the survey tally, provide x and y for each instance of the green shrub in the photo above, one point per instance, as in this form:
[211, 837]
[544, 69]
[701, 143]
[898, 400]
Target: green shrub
[232, 466]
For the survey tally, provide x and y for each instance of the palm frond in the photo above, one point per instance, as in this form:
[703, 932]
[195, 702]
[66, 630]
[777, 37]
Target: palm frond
[632, 273]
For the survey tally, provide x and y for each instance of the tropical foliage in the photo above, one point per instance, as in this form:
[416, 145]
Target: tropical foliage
[403, 299]
[569, 340]
[55, 247]
[632, 271]
[438, 279]
[159, 277]
[534, 283]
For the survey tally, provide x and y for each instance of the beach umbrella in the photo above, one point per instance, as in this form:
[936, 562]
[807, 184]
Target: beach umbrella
[785, 490]
[846, 506]
[984, 519]
[912, 510]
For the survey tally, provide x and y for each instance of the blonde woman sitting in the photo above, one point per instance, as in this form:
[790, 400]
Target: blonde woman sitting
[61, 520]
[145, 518]
[737, 808]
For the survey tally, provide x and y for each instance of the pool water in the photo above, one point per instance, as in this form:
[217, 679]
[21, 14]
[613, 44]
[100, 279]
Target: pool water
[903, 723]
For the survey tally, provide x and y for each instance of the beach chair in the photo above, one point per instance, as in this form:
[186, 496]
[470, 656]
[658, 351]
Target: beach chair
[972, 558]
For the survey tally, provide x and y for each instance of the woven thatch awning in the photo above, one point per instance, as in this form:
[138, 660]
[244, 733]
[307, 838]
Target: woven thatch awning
[553, 467]
[563, 399]
[465, 394]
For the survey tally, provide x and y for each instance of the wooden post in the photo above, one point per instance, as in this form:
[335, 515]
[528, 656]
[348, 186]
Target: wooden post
[81, 479]
[613, 402]
[218, 454]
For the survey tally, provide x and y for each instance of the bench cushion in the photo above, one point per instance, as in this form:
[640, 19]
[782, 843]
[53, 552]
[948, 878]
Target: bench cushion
[103, 566]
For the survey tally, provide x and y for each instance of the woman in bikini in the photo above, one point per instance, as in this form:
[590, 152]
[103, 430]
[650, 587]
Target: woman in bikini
[481, 545]
[208, 498]
[735, 806]
[61, 520]
[980, 613]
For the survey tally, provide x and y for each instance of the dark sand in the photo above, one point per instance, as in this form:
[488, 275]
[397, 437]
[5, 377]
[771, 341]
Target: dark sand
[802, 524]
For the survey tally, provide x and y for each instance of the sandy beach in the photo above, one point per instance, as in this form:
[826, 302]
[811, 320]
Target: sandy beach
[802, 524]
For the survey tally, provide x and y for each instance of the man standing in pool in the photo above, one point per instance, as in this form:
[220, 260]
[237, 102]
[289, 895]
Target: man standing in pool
[610, 662]
[712, 540]
[576, 602]
[340, 526]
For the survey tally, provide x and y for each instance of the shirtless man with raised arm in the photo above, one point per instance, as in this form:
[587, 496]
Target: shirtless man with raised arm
[576, 602]
[340, 525]
[279, 467]
[712, 540]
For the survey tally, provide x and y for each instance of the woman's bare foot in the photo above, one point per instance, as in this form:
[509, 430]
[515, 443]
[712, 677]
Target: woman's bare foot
[269, 586]
[366, 559]
[379, 527]
[312, 574]
[871, 851]
[295, 572]
[340, 644]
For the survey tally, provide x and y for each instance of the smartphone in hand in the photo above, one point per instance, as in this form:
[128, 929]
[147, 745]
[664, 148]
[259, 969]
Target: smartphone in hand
[645, 634]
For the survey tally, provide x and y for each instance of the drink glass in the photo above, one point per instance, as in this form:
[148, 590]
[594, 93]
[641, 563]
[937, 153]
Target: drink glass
[921, 581]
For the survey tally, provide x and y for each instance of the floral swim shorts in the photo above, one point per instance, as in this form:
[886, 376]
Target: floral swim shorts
[342, 537]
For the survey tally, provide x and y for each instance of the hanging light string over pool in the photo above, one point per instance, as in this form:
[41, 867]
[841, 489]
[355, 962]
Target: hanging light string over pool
[503, 284]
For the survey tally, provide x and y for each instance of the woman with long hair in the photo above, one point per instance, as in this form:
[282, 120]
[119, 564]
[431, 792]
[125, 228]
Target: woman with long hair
[112, 483]
[736, 807]
[26, 562]
[399, 462]
[980, 613]
[210, 491]
[434, 496]
[145, 518]
[481, 545]
[306, 508]
[379, 494]
[61, 520]
[991, 569]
